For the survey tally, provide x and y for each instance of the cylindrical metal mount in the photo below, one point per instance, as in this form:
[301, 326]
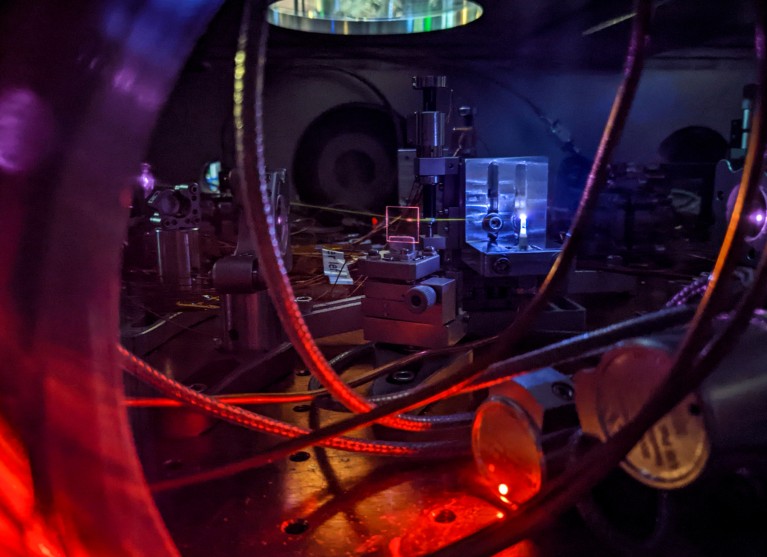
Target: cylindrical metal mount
[429, 85]
[236, 274]
[429, 134]
[178, 256]
[725, 415]
[251, 322]
[520, 437]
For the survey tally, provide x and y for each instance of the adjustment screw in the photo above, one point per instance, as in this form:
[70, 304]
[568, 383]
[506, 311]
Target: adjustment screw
[502, 266]
[563, 391]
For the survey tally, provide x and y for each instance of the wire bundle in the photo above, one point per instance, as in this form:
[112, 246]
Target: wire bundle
[249, 125]
[258, 422]
[698, 354]
[300, 438]
[691, 291]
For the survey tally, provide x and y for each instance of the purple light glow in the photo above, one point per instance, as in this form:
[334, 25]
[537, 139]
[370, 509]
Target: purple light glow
[146, 179]
[127, 80]
[26, 130]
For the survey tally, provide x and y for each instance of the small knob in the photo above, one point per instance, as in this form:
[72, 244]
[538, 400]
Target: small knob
[492, 222]
[420, 298]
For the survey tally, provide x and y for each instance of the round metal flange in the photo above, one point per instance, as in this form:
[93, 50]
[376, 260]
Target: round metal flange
[506, 443]
[674, 452]
[391, 17]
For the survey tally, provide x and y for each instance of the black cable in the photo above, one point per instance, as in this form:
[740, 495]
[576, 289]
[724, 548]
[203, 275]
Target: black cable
[542, 357]
[415, 357]
[559, 271]
[595, 183]
[248, 109]
[560, 268]
[597, 179]
[690, 368]
[248, 367]
[367, 377]
[342, 361]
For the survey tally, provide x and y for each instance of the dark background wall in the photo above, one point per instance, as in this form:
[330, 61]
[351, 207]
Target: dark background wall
[701, 60]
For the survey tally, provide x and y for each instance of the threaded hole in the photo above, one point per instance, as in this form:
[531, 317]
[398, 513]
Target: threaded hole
[295, 526]
[443, 516]
[300, 456]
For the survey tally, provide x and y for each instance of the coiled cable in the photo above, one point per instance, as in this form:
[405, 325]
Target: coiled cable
[249, 133]
[695, 359]
[425, 394]
[251, 420]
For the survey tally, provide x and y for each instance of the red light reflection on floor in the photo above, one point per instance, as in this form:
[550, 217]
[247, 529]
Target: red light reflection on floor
[449, 521]
[22, 531]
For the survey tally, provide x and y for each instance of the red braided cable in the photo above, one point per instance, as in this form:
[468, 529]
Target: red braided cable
[248, 115]
[233, 414]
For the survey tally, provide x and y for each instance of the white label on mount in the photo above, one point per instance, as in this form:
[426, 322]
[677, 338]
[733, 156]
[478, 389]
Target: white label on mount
[335, 267]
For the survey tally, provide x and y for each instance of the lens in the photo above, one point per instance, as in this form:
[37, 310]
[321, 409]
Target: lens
[507, 450]
[755, 216]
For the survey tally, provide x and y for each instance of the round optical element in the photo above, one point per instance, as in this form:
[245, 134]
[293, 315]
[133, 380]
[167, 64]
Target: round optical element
[674, 452]
[372, 17]
[506, 445]
[755, 216]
